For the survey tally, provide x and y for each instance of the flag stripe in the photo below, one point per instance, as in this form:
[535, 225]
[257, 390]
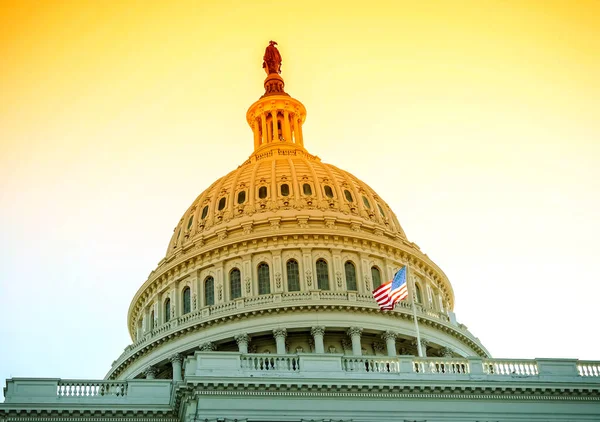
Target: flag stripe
[392, 292]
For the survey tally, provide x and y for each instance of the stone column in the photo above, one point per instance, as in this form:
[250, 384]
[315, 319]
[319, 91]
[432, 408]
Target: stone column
[287, 133]
[354, 333]
[300, 135]
[256, 134]
[295, 128]
[424, 344]
[176, 361]
[274, 120]
[280, 335]
[390, 342]
[150, 373]
[318, 333]
[263, 121]
[242, 342]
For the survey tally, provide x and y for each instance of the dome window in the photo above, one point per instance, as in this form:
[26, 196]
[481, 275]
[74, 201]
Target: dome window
[204, 212]
[241, 197]
[293, 275]
[285, 189]
[366, 202]
[348, 195]
[328, 191]
[264, 279]
[381, 210]
[235, 283]
[322, 274]
[350, 271]
[307, 189]
[167, 310]
[419, 296]
[262, 192]
[190, 221]
[376, 275]
[187, 303]
[152, 321]
[222, 203]
[209, 291]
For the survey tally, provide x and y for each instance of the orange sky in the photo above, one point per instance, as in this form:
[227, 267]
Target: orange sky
[477, 121]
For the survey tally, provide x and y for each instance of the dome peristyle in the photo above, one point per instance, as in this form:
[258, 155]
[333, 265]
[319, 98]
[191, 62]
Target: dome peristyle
[281, 256]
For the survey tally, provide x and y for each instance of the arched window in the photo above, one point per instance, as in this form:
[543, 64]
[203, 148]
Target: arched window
[167, 310]
[264, 280]
[350, 271]
[151, 321]
[187, 300]
[348, 195]
[242, 197]
[204, 212]
[328, 191]
[366, 202]
[293, 275]
[418, 295]
[262, 192]
[209, 291]
[322, 275]
[307, 189]
[190, 221]
[285, 189]
[235, 283]
[376, 276]
[222, 203]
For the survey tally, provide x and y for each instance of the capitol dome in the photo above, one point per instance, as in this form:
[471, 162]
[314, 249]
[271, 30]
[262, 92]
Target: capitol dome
[280, 256]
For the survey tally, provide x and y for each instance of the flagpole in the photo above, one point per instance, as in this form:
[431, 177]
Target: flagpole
[414, 309]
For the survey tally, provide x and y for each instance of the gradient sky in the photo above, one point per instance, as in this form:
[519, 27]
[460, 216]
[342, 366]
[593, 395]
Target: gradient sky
[477, 121]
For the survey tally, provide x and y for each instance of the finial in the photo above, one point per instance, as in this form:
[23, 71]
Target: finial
[272, 59]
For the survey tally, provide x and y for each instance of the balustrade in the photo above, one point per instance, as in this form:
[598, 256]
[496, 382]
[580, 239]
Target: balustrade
[441, 366]
[78, 388]
[267, 362]
[370, 364]
[510, 367]
[588, 369]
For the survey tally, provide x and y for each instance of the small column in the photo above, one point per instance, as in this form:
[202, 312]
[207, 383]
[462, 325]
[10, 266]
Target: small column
[286, 126]
[263, 121]
[256, 134]
[354, 333]
[390, 342]
[150, 373]
[274, 120]
[176, 361]
[280, 335]
[318, 333]
[242, 342]
[300, 136]
[295, 128]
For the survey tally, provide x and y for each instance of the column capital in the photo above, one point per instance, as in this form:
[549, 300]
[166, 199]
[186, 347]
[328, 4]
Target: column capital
[447, 352]
[242, 338]
[150, 372]
[317, 331]
[208, 347]
[177, 357]
[424, 342]
[279, 332]
[354, 331]
[389, 335]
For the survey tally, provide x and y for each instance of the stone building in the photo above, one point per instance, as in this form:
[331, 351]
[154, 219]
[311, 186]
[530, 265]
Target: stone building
[261, 310]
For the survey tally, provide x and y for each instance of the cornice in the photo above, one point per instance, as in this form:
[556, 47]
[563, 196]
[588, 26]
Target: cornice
[290, 307]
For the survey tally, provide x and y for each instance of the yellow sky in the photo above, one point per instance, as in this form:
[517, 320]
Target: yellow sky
[477, 121]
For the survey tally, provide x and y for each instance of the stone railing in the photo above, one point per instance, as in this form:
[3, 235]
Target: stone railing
[268, 362]
[588, 369]
[409, 367]
[117, 393]
[83, 388]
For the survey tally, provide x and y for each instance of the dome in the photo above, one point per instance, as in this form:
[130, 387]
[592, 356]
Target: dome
[282, 254]
[284, 187]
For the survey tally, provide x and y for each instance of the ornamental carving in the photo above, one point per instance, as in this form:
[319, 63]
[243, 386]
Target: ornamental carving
[332, 349]
[346, 344]
[194, 301]
[367, 282]
[279, 332]
[317, 331]
[208, 347]
[354, 331]
[338, 278]
[248, 285]
[278, 280]
[176, 358]
[308, 278]
[389, 335]
[242, 339]
[220, 292]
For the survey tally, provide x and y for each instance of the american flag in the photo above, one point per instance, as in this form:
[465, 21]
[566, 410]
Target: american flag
[392, 292]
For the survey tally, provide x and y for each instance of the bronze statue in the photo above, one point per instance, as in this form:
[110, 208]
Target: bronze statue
[272, 59]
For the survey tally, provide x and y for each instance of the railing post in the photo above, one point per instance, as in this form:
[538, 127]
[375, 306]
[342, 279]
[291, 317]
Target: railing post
[476, 365]
[406, 364]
